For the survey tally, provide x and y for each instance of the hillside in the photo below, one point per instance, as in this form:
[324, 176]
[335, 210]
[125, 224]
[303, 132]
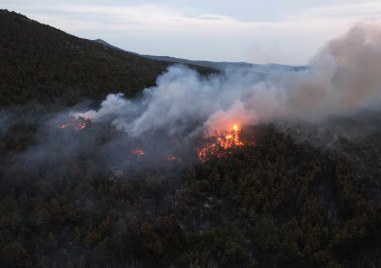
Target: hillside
[80, 188]
[275, 204]
[41, 63]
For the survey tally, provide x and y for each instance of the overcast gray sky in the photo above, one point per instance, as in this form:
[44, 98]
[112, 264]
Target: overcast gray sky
[258, 31]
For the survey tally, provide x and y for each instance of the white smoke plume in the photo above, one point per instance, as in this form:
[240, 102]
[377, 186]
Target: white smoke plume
[343, 77]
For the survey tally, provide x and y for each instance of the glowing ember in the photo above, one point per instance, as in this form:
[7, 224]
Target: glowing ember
[78, 123]
[138, 152]
[223, 141]
[171, 158]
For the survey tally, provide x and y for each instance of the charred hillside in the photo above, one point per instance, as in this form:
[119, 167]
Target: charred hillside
[39, 62]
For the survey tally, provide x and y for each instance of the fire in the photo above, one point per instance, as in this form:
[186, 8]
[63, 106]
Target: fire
[76, 123]
[138, 152]
[229, 139]
[224, 140]
[171, 158]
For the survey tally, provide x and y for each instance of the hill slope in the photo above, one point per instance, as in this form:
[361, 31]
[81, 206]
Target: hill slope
[39, 62]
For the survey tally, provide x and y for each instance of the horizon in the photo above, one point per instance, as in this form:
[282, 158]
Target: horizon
[113, 159]
[263, 33]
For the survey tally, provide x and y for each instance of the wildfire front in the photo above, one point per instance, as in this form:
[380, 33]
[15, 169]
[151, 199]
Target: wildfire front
[220, 142]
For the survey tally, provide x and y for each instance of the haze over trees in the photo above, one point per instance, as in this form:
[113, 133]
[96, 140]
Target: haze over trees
[296, 194]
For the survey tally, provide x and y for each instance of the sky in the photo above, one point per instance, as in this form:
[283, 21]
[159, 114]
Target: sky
[257, 31]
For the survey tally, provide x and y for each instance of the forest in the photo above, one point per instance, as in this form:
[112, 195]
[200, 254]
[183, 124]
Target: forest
[294, 194]
[278, 202]
[42, 64]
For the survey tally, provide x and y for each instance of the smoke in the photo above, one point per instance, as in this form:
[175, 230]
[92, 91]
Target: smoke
[168, 119]
[6, 120]
[342, 78]
[185, 104]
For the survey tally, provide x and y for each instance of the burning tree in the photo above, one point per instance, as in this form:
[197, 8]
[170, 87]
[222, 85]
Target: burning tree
[220, 142]
[76, 123]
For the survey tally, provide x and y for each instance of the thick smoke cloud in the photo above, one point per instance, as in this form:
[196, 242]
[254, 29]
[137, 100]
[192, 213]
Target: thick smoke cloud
[342, 78]
[168, 119]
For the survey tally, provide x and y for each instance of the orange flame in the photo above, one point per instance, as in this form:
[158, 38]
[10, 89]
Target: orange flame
[171, 158]
[63, 126]
[138, 152]
[78, 123]
[223, 140]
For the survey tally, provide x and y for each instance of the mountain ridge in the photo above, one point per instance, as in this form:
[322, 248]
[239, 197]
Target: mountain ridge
[219, 65]
[43, 64]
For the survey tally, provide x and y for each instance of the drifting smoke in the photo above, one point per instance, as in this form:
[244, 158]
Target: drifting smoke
[342, 78]
[5, 122]
[166, 122]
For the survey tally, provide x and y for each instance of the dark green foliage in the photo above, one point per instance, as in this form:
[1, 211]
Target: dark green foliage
[288, 204]
[270, 203]
[39, 62]
[277, 203]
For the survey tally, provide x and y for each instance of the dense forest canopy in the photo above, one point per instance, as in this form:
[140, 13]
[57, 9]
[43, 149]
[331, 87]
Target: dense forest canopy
[81, 193]
[41, 63]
